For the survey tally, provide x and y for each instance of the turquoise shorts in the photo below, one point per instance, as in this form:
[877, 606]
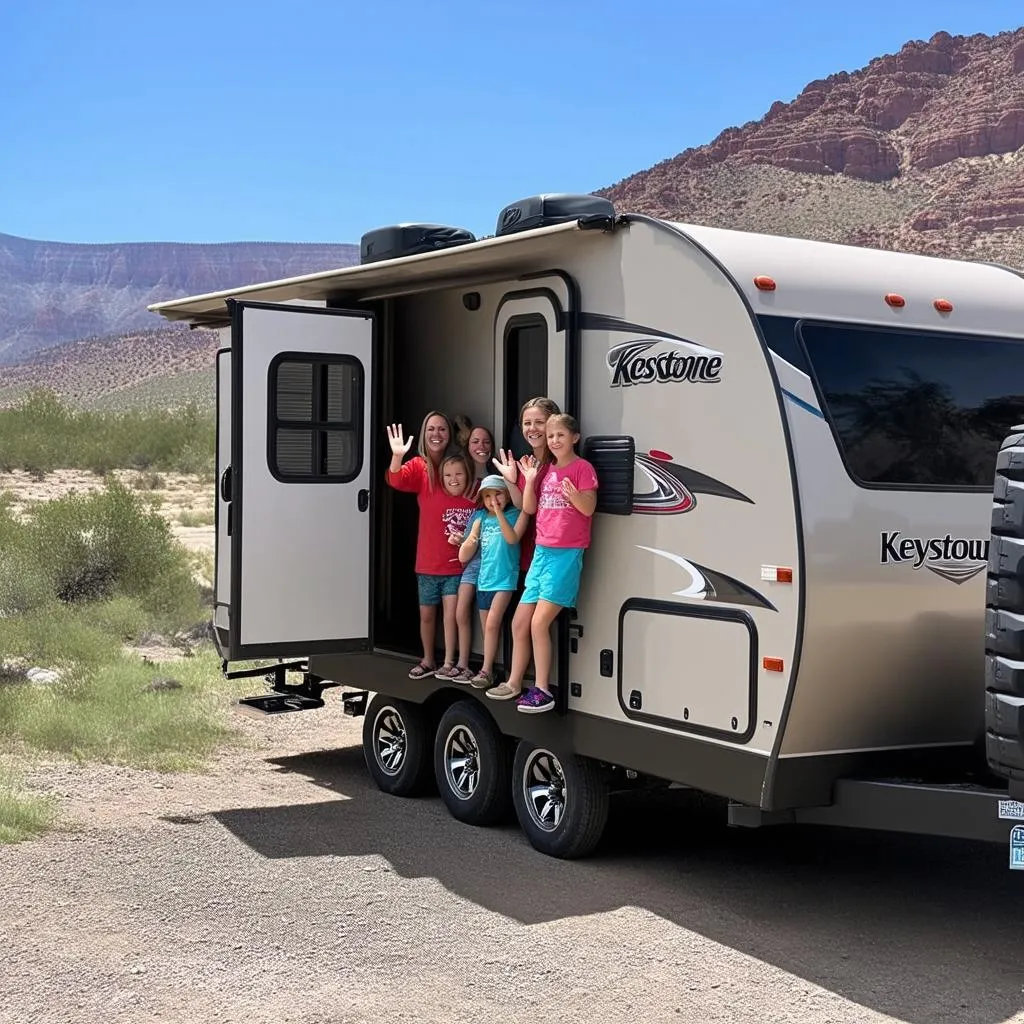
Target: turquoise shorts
[554, 575]
[433, 588]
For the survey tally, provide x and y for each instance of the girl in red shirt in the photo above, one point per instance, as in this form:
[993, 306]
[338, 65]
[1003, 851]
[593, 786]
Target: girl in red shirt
[440, 483]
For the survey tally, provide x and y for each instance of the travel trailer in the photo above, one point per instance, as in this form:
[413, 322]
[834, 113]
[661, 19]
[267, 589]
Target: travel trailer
[784, 601]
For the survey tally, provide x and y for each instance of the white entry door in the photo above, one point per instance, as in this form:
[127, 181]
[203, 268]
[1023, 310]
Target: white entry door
[299, 481]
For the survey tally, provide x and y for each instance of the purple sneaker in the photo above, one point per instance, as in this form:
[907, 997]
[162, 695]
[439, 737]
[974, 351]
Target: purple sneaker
[534, 701]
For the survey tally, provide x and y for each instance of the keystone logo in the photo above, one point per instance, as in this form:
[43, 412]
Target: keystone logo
[953, 558]
[632, 362]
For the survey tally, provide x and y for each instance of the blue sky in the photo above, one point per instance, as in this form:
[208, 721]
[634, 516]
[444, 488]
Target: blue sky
[224, 120]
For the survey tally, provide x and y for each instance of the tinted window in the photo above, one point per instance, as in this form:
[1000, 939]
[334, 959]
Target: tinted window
[315, 418]
[780, 336]
[917, 409]
[526, 374]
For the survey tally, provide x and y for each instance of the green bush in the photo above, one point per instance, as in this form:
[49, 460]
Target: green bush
[92, 547]
[41, 434]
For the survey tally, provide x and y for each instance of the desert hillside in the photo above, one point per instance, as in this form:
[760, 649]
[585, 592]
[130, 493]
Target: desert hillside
[920, 151]
[54, 292]
[162, 368]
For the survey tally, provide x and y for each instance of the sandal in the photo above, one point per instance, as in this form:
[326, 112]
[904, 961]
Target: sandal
[503, 692]
[461, 675]
[446, 671]
[482, 680]
[421, 670]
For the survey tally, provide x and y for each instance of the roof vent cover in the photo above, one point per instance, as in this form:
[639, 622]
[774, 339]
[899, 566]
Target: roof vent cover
[551, 208]
[397, 240]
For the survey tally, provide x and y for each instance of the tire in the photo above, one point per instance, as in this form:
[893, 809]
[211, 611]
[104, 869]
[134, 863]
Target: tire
[396, 745]
[1004, 615]
[570, 825]
[480, 792]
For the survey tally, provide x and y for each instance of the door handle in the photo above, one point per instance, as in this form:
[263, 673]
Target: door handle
[225, 485]
[363, 499]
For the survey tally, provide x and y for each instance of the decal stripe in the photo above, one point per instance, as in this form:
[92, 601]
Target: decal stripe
[803, 405]
[711, 585]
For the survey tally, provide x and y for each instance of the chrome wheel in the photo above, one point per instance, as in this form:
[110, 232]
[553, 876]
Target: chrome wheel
[544, 789]
[390, 740]
[461, 762]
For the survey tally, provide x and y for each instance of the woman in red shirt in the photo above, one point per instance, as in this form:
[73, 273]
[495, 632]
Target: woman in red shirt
[440, 484]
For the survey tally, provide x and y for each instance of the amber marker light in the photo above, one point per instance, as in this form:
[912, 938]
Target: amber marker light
[772, 664]
[777, 573]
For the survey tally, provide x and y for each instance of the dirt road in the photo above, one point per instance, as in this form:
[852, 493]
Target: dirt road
[283, 887]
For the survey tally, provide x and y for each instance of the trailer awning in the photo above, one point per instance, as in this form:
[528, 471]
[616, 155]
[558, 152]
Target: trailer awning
[495, 257]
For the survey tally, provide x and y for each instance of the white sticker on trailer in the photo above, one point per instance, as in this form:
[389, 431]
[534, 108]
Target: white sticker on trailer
[1017, 848]
[1011, 810]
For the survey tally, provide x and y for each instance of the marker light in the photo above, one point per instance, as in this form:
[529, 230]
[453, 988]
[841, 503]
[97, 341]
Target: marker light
[896, 301]
[777, 573]
[943, 305]
[772, 664]
[764, 284]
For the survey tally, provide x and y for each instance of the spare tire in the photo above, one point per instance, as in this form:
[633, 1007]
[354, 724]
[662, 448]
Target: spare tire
[1004, 614]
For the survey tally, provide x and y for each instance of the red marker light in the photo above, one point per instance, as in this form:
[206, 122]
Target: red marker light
[763, 283]
[896, 301]
[663, 456]
[943, 305]
[772, 664]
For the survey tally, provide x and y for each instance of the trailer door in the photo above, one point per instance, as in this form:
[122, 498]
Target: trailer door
[534, 356]
[223, 512]
[300, 480]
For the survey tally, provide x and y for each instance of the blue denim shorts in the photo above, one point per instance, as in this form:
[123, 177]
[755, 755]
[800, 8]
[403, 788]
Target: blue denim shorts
[433, 588]
[554, 575]
[471, 570]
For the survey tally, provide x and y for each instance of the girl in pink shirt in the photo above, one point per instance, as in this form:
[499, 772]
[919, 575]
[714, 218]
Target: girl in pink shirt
[564, 504]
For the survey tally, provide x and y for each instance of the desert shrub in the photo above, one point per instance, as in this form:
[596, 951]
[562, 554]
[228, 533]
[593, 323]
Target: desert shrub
[189, 518]
[148, 482]
[91, 547]
[41, 434]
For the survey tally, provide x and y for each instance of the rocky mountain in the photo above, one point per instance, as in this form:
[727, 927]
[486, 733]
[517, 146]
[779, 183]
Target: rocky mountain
[57, 292]
[920, 150]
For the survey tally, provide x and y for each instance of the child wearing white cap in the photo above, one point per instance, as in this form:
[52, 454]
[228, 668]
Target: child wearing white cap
[494, 531]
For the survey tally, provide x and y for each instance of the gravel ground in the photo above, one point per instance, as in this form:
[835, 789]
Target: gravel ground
[281, 886]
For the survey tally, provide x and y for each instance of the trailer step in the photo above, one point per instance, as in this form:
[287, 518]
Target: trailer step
[278, 704]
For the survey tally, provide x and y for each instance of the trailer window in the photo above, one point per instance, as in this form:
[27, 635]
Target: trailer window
[916, 409]
[316, 418]
[526, 372]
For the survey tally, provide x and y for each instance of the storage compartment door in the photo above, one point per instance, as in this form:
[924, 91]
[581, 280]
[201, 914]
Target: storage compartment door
[686, 668]
[300, 480]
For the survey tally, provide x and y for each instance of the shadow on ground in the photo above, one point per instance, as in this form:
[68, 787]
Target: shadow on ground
[922, 929]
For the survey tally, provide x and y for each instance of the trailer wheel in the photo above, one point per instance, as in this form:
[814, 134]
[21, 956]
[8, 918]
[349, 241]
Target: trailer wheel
[561, 800]
[396, 745]
[472, 765]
